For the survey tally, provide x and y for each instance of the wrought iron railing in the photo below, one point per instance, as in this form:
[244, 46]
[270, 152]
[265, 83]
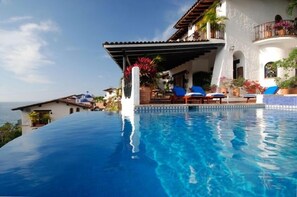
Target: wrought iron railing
[275, 29]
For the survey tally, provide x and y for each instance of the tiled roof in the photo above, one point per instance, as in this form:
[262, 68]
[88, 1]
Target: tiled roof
[151, 42]
[191, 16]
[173, 52]
[193, 13]
[66, 100]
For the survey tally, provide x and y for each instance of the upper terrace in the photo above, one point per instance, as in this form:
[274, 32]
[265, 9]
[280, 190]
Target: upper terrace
[270, 30]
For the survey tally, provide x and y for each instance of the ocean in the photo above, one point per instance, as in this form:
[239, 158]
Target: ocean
[7, 115]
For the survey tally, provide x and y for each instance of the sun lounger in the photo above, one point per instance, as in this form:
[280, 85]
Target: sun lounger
[209, 96]
[269, 90]
[180, 93]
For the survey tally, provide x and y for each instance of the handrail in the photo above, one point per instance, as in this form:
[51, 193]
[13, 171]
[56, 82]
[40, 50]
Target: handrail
[273, 29]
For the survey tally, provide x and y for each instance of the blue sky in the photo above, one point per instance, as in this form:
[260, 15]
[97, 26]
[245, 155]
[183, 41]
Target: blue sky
[53, 48]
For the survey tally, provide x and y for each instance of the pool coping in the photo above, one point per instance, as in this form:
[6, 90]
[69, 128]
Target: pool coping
[187, 107]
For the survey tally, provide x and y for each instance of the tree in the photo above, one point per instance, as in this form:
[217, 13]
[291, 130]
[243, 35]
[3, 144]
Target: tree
[8, 132]
[287, 64]
[216, 23]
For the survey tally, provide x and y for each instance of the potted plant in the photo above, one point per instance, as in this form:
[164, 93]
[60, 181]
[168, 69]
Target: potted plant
[225, 84]
[46, 118]
[148, 76]
[237, 84]
[287, 85]
[34, 117]
[282, 27]
[288, 65]
[252, 86]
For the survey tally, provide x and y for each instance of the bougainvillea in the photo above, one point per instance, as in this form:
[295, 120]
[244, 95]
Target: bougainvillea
[147, 69]
[283, 25]
[252, 86]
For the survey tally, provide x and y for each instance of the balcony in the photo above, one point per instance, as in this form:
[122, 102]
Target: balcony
[202, 35]
[285, 28]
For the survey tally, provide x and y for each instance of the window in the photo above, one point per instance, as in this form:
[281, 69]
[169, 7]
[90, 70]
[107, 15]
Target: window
[70, 110]
[270, 71]
[77, 109]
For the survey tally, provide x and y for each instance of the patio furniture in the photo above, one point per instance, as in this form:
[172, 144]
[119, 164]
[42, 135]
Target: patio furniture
[208, 96]
[180, 93]
[269, 90]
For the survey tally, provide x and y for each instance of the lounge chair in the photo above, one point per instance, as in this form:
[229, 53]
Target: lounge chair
[180, 93]
[208, 96]
[269, 90]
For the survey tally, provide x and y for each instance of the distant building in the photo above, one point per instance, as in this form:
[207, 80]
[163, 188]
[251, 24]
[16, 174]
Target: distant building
[110, 92]
[39, 114]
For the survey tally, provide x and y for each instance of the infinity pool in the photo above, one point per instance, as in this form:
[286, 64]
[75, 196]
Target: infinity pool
[239, 152]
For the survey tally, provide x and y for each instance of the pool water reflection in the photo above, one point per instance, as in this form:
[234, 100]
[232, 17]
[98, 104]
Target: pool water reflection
[239, 152]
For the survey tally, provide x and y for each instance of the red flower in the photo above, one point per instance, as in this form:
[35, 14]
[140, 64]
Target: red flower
[252, 86]
[147, 68]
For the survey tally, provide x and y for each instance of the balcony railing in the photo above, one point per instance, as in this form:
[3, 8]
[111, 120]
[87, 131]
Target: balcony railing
[274, 29]
[201, 35]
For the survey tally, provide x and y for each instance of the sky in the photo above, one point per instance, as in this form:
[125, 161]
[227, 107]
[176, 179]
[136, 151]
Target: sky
[53, 48]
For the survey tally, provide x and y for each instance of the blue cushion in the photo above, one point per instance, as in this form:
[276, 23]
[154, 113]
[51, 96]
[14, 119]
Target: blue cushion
[198, 89]
[179, 91]
[271, 90]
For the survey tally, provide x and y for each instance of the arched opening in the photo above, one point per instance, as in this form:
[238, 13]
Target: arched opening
[71, 110]
[77, 109]
[269, 70]
[238, 64]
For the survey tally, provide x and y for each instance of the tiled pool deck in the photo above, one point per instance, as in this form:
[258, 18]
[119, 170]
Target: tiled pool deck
[187, 107]
[280, 102]
[270, 101]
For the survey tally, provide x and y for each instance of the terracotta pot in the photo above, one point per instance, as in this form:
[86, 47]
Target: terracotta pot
[281, 32]
[224, 90]
[236, 92]
[292, 90]
[145, 95]
[285, 90]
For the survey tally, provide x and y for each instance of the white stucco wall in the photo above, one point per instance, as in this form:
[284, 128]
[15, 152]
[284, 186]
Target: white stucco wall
[58, 111]
[243, 16]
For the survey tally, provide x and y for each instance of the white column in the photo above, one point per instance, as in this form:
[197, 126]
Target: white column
[208, 31]
[135, 86]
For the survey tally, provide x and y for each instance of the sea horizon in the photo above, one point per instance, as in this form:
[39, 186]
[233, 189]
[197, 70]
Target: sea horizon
[6, 113]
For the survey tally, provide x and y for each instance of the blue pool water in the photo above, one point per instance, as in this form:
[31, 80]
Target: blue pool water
[242, 152]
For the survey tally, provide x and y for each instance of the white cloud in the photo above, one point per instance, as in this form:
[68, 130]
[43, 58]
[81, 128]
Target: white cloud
[16, 19]
[21, 51]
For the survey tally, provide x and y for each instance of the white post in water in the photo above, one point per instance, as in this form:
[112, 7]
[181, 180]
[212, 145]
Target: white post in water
[135, 86]
[128, 104]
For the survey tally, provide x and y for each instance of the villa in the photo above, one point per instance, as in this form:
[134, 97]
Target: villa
[243, 43]
[39, 114]
[175, 149]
